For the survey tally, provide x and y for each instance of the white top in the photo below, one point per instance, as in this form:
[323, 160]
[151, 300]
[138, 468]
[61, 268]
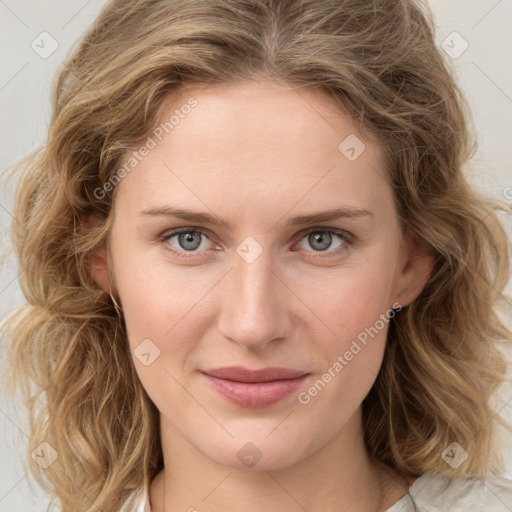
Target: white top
[432, 492]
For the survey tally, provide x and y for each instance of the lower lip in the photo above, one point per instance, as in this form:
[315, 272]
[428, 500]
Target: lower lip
[255, 394]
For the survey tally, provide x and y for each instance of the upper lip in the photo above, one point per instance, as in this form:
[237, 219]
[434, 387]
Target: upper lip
[241, 374]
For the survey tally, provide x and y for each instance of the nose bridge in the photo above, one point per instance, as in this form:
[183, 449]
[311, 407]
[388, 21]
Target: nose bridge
[253, 312]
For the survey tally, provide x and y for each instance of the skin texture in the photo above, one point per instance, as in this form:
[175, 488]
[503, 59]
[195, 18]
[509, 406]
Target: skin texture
[257, 154]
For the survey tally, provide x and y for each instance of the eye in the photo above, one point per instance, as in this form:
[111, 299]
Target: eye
[322, 239]
[188, 240]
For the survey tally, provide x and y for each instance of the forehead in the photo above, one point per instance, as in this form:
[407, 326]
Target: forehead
[251, 143]
[237, 119]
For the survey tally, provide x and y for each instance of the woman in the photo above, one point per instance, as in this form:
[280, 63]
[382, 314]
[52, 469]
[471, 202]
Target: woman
[256, 276]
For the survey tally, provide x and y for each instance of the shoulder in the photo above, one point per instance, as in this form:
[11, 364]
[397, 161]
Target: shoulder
[433, 492]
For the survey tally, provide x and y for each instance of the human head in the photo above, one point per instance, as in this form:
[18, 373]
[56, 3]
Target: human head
[251, 292]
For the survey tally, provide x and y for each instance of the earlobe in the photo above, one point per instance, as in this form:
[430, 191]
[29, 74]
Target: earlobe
[416, 270]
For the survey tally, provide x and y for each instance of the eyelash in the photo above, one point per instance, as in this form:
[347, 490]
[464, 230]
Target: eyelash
[345, 237]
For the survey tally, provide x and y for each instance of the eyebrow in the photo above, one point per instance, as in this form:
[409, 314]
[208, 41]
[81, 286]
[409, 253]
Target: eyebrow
[207, 219]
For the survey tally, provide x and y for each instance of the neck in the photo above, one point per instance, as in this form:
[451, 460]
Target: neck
[340, 477]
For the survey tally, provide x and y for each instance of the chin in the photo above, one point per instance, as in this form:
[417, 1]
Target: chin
[257, 452]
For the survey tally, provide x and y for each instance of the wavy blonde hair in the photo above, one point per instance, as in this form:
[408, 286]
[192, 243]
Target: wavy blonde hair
[67, 350]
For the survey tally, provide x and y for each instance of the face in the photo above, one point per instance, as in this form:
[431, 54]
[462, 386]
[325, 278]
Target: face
[241, 277]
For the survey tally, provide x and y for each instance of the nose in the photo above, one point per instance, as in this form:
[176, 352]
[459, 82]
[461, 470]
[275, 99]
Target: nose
[255, 308]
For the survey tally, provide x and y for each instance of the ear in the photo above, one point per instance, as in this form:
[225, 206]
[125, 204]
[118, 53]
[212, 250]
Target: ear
[98, 267]
[98, 261]
[416, 264]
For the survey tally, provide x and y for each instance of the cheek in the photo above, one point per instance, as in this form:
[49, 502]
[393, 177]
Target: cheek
[352, 357]
[160, 326]
[355, 307]
[155, 295]
[165, 312]
[350, 300]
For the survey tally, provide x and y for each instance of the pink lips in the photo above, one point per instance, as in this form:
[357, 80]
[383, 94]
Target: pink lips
[254, 388]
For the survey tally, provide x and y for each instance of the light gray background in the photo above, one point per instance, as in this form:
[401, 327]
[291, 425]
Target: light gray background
[483, 70]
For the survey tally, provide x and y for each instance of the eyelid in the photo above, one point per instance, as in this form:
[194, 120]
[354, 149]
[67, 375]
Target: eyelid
[341, 232]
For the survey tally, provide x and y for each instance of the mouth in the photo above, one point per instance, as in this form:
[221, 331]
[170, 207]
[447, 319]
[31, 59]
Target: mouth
[254, 388]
